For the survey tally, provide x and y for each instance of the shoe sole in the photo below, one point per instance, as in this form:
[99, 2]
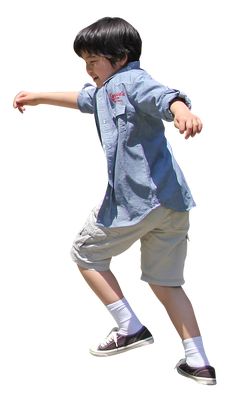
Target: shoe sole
[116, 351]
[203, 381]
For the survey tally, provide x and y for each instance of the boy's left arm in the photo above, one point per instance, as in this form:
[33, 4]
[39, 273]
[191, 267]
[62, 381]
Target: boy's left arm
[185, 120]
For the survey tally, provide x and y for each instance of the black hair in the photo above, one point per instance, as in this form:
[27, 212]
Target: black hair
[113, 38]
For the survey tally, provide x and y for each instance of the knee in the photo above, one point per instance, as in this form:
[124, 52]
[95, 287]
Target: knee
[164, 293]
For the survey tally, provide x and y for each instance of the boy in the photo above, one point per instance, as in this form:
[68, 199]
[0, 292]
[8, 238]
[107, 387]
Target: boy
[147, 197]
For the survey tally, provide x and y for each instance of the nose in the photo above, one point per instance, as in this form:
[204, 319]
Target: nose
[89, 69]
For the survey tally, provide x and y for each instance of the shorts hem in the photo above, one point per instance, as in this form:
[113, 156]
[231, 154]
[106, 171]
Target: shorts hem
[91, 266]
[164, 283]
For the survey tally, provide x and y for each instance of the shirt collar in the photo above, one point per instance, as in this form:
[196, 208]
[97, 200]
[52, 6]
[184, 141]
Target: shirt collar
[133, 65]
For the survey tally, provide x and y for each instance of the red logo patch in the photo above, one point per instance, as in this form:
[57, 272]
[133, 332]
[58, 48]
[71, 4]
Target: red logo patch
[116, 97]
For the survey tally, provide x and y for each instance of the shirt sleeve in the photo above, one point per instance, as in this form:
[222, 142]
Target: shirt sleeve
[154, 99]
[85, 99]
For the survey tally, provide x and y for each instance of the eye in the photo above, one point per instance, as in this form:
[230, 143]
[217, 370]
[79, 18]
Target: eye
[90, 63]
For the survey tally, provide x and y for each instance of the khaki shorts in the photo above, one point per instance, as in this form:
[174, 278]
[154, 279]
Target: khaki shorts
[163, 235]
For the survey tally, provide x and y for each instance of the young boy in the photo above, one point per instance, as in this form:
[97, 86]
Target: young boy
[147, 197]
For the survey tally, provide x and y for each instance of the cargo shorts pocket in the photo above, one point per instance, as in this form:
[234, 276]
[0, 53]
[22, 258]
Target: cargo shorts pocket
[80, 239]
[180, 221]
[91, 233]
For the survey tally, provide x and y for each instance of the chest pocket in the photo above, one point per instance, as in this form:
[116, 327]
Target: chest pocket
[120, 117]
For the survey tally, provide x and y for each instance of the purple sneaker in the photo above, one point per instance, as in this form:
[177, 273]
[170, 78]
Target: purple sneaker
[115, 343]
[205, 375]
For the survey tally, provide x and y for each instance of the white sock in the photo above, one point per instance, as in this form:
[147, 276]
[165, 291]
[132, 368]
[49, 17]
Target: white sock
[124, 316]
[194, 352]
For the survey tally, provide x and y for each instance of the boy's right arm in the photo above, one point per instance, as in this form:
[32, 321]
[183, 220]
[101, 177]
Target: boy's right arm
[65, 99]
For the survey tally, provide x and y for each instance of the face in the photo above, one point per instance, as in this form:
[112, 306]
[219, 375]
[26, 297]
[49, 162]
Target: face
[100, 68]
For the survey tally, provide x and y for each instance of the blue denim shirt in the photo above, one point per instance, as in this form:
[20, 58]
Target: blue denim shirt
[129, 110]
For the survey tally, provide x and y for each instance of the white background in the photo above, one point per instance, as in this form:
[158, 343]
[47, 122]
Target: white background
[52, 172]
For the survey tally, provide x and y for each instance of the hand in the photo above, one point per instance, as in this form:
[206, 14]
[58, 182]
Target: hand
[185, 120]
[25, 98]
[189, 125]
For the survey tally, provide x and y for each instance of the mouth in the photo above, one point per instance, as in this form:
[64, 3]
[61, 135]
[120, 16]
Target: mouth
[98, 81]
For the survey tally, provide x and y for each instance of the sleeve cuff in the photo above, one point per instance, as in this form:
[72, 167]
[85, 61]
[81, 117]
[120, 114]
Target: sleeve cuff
[178, 96]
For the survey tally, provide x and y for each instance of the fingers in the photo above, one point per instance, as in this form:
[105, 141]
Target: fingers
[193, 127]
[181, 125]
[19, 101]
[21, 109]
[189, 127]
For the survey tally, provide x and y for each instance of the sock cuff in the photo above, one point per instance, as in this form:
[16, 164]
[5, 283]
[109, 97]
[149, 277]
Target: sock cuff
[193, 341]
[116, 304]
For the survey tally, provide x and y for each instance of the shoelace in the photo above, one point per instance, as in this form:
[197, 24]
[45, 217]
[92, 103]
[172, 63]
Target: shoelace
[112, 336]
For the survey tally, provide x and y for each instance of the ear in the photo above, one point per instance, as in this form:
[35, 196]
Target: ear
[123, 61]
[120, 63]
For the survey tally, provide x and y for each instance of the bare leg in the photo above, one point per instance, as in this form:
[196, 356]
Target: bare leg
[104, 285]
[179, 310]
